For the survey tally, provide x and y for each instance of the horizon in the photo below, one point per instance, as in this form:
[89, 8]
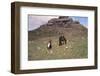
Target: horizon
[35, 21]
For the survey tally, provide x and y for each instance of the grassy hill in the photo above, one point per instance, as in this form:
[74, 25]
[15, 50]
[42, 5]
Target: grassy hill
[74, 32]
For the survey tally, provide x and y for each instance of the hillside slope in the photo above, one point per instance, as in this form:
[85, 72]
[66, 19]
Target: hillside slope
[56, 27]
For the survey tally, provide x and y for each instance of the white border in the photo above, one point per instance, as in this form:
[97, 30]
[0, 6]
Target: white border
[25, 64]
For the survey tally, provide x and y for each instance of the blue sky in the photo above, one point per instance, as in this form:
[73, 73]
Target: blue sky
[35, 21]
[82, 20]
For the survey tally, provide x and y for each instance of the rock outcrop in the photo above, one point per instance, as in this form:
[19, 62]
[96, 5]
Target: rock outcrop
[62, 21]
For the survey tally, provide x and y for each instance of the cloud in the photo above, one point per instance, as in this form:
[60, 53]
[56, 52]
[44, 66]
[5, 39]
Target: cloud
[37, 21]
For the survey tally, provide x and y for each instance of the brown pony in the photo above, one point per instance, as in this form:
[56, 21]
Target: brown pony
[62, 40]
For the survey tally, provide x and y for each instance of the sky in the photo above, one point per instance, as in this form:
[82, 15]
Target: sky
[35, 21]
[82, 20]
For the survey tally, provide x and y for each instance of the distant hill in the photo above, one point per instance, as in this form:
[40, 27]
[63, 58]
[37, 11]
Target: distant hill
[57, 26]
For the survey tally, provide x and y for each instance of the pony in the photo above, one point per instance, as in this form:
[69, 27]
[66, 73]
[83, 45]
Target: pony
[49, 45]
[62, 40]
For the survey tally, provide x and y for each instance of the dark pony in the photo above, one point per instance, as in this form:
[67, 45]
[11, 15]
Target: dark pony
[62, 40]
